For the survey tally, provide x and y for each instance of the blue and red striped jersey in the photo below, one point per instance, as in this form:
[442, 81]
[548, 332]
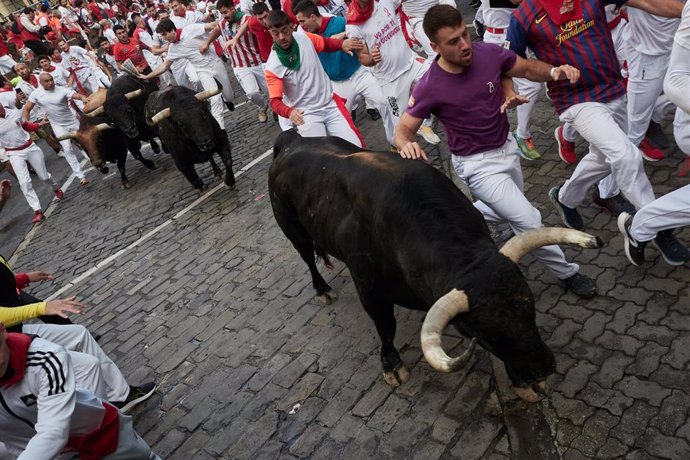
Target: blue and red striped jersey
[584, 43]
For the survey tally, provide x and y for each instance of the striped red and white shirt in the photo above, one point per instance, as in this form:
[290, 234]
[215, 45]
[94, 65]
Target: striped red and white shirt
[246, 52]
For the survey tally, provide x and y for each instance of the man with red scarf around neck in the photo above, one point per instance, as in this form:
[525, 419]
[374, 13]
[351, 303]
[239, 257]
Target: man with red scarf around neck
[43, 414]
[386, 52]
[561, 30]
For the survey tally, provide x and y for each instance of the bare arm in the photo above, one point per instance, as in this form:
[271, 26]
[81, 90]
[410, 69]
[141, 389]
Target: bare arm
[405, 137]
[241, 31]
[215, 33]
[160, 70]
[665, 8]
[26, 111]
[510, 98]
[367, 58]
[535, 70]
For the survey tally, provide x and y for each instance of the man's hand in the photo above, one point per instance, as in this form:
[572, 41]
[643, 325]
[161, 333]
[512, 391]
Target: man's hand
[19, 97]
[60, 307]
[5, 189]
[39, 276]
[43, 122]
[412, 151]
[297, 117]
[141, 76]
[376, 55]
[203, 48]
[352, 44]
[513, 101]
[565, 72]
[230, 43]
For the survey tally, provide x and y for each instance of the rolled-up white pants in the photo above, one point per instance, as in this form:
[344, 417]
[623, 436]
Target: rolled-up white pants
[669, 211]
[68, 147]
[33, 155]
[495, 179]
[93, 369]
[604, 126]
[363, 83]
[253, 83]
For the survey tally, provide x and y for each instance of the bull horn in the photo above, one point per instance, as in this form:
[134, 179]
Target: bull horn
[208, 93]
[519, 245]
[436, 320]
[97, 111]
[103, 126]
[133, 94]
[160, 116]
[69, 135]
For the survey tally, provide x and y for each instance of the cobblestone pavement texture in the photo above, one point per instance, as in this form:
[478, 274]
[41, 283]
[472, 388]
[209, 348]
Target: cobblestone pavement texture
[218, 308]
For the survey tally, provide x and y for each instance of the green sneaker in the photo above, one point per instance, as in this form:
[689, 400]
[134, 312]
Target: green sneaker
[527, 149]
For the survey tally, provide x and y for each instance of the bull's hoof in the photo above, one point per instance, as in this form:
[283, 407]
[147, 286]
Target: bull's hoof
[397, 377]
[327, 297]
[532, 394]
[149, 164]
[201, 188]
[155, 148]
[126, 185]
[104, 170]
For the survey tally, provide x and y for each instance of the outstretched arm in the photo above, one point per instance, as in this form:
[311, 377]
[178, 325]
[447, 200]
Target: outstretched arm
[665, 8]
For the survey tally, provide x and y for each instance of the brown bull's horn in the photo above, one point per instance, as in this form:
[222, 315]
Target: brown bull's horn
[69, 135]
[98, 111]
[160, 116]
[133, 94]
[103, 126]
[521, 244]
[436, 320]
[208, 93]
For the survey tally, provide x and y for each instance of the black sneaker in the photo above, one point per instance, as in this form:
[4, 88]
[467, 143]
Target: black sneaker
[581, 285]
[136, 396]
[634, 249]
[373, 114]
[615, 205]
[672, 250]
[570, 217]
[657, 136]
[353, 115]
[230, 106]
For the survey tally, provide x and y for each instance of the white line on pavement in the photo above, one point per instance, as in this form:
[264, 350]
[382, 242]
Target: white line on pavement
[153, 232]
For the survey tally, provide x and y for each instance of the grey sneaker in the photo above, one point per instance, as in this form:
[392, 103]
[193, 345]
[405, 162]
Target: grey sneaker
[136, 396]
[581, 285]
[615, 205]
[570, 217]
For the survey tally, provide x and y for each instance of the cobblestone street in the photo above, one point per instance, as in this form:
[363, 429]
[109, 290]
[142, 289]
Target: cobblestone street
[211, 300]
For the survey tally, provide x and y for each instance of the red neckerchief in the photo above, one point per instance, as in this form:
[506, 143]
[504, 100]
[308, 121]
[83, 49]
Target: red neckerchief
[324, 24]
[18, 344]
[356, 15]
[33, 81]
[178, 33]
[52, 68]
[562, 11]
[183, 15]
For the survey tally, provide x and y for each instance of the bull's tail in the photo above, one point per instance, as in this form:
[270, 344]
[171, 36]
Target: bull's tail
[283, 140]
[321, 254]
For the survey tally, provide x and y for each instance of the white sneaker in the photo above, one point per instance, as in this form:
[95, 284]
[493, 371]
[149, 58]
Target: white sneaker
[428, 134]
[263, 116]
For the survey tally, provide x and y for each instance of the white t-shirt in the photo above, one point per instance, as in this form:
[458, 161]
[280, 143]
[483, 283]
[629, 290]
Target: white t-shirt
[683, 33]
[76, 58]
[11, 132]
[60, 75]
[650, 34]
[417, 8]
[68, 13]
[497, 18]
[110, 35]
[382, 30]
[333, 8]
[8, 99]
[55, 103]
[187, 47]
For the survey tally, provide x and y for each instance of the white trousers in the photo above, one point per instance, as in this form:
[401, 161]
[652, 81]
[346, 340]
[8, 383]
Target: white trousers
[207, 78]
[331, 120]
[130, 446]
[363, 83]
[253, 82]
[68, 147]
[604, 126]
[495, 179]
[417, 25]
[185, 74]
[93, 370]
[681, 130]
[397, 92]
[34, 156]
[87, 80]
[669, 211]
[645, 84]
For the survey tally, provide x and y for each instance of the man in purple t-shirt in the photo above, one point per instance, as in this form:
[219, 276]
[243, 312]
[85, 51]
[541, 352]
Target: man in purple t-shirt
[469, 89]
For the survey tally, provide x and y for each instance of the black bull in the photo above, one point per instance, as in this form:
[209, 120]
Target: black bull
[410, 237]
[189, 131]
